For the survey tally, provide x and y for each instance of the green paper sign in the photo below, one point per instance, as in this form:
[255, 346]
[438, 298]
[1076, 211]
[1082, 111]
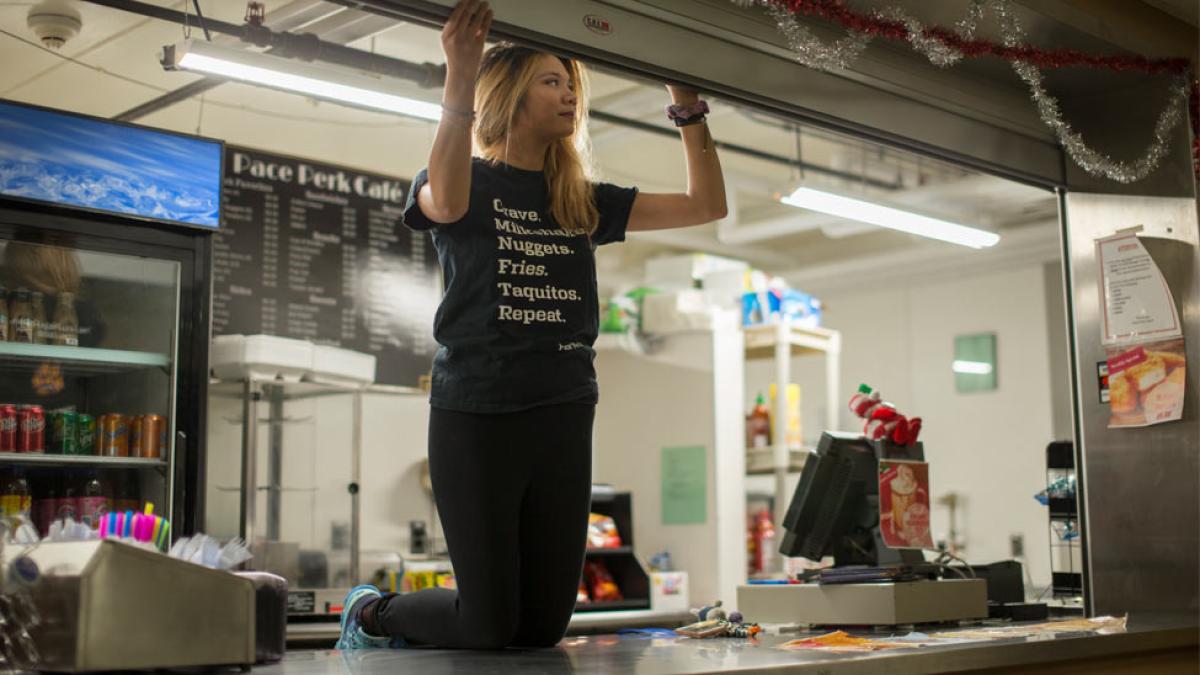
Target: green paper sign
[684, 485]
[975, 363]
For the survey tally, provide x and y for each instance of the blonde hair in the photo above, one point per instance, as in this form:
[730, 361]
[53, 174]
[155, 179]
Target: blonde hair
[504, 77]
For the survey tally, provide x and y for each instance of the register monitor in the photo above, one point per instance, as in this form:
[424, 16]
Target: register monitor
[835, 508]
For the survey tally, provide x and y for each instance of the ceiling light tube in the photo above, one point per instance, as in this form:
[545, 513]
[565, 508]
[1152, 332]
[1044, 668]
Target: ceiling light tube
[311, 79]
[885, 216]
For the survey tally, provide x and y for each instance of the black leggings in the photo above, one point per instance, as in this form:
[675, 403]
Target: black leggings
[513, 492]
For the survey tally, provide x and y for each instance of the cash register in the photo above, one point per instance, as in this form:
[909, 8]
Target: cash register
[835, 512]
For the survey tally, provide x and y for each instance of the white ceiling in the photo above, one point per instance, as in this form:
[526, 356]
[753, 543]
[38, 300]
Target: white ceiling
[111, 67]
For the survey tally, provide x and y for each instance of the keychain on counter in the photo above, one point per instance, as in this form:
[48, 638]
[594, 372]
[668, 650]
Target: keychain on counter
[715, 623]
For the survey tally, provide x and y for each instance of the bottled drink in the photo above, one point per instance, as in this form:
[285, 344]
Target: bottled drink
[43, 331]
[16, 500]
[66, 323]
[45, 504]
[3, 314]
[20, 318]
[68, 500]
[126, 496]
[93, 503]
[758, 425]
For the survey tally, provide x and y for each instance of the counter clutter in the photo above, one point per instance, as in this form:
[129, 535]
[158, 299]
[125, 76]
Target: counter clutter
[1154, 642]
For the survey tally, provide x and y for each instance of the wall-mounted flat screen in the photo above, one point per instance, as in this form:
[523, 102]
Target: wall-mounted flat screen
[84, 162]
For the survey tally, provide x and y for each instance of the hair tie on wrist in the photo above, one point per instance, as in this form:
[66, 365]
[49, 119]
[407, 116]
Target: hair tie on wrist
[468, 114]
[683, 115]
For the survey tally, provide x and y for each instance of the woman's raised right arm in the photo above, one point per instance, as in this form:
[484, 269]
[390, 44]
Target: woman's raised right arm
[446, 196]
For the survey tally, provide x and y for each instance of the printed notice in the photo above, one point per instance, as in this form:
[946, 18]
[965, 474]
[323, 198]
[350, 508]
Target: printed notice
[904, 504]
[1137, 304]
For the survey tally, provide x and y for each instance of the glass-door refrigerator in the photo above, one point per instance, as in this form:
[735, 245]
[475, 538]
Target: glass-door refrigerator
[105, 251]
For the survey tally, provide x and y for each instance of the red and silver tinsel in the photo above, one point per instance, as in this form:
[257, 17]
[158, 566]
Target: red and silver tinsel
[946, 46]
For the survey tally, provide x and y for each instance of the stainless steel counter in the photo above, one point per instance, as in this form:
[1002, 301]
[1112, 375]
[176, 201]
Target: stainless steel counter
[668, 656]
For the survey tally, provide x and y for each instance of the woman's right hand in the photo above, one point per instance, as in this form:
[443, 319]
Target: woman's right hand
[464, 34]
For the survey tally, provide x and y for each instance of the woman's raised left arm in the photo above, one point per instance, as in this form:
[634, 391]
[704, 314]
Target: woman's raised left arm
[704, 200]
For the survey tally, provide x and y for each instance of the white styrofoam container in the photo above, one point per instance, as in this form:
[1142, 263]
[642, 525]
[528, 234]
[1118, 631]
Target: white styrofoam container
[682, 271]
[675, 311]
[259, 357]
[334, 365]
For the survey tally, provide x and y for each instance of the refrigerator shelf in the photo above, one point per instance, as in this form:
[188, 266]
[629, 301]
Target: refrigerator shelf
[79, 361]
[39, 459]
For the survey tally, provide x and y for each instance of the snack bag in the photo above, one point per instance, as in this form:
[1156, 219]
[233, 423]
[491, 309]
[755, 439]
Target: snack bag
[604, 589]
[602, 532]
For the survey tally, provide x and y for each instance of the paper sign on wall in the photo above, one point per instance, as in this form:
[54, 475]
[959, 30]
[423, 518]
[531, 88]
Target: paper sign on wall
[1146, 383]
[904, 504]
[684, 485]
[1136, 302]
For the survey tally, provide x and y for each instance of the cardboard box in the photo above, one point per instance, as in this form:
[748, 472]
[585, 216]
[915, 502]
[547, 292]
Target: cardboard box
[669, 591]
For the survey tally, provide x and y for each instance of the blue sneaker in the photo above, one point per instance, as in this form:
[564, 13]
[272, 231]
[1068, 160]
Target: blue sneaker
[352, 635]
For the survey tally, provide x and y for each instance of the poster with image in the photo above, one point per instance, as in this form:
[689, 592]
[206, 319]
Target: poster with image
[904, 504]
[1146, 383]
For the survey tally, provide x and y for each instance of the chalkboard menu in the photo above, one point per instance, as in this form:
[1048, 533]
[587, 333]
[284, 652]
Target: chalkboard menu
[317, 252]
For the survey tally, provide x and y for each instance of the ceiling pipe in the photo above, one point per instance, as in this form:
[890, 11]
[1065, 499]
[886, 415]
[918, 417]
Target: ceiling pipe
[305, 46]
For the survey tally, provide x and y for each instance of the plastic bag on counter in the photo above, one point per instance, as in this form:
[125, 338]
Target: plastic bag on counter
[69, 529]
[207, 551]
[19, 531]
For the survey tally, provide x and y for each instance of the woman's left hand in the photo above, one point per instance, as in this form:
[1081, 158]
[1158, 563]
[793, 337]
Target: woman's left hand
[681, 95]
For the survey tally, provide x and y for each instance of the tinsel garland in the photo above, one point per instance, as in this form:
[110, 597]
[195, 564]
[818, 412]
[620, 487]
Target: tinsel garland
[945, 47]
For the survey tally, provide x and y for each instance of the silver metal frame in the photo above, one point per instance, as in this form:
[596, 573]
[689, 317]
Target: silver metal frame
[252, 393]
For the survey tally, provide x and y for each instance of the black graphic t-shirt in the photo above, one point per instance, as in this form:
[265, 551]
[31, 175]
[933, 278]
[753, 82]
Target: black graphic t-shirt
[520, 312]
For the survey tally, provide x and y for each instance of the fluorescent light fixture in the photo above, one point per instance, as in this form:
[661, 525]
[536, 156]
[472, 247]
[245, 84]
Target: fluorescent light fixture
[972, 367]
[311, 79]
[885, 216]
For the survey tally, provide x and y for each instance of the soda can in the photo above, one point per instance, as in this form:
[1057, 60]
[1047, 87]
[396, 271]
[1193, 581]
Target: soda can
[8, 427]
[31, 429]
[87, 435]
[64, 436]
[112, 436]
[52, 432]
[135, 436]
[152, 441]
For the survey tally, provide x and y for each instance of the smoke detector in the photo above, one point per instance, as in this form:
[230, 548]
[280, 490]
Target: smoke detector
[54, 22]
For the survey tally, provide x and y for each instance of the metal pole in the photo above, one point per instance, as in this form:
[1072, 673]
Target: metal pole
[833, 395]
[275, 462]
[355, 477]
[783, 370]
[304, 45]
[250, 399]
